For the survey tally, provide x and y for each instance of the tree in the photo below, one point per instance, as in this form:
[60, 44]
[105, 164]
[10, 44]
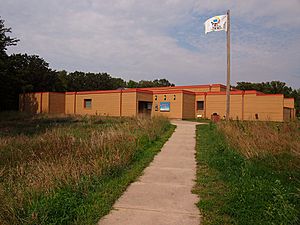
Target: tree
[132, 84]
[5, 40]
[26, 73]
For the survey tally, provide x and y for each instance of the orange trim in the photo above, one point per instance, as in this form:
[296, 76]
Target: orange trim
[224, 93]
[262, 94]
[252, 92]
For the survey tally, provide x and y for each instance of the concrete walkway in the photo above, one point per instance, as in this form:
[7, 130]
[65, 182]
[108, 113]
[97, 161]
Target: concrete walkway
[163, 194]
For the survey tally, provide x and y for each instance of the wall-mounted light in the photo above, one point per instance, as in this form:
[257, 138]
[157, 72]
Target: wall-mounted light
[155, 97]
[174, 97]
[165, 97]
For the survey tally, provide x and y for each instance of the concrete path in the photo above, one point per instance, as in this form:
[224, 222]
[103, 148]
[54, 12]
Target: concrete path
[162, 196]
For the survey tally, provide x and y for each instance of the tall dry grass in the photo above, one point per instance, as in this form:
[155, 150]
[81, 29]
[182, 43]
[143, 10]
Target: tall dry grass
[256, 138]
[64, 154]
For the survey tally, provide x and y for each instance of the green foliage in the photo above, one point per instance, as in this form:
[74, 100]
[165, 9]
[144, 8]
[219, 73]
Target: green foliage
[5, 40]
[257, 190]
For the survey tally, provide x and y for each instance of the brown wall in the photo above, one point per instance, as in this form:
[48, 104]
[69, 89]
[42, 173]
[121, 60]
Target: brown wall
[56, 103]
[105, 104]
[268, 107]
[129, 104]
[34, 102]
[69, 103]
[289, 102]
[125, 103]
[175, 105]
[188, 111]
[144, 97]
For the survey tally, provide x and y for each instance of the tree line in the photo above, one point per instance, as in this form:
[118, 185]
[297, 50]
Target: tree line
[22, 73]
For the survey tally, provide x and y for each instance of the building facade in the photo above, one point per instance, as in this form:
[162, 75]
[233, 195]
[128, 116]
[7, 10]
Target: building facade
[179, 102]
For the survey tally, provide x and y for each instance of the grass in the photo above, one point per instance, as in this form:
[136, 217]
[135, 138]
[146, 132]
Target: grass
[248, 186]
[70, 170]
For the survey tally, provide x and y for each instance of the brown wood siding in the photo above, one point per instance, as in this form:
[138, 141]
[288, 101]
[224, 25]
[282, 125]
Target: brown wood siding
[217, 104]
[129, 104]
[34, 102]
[175, 105]
[45, 102]
[144, 97]
[266, 107]
[289, 103]
[69, 104]
[236, 107]
[56, 103]
[107, 104]
[188, 111]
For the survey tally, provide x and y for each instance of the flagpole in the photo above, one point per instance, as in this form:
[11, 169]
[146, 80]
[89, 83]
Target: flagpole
[228, 68]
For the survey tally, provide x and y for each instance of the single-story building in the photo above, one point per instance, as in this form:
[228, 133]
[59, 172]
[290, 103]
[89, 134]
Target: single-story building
[179, 102]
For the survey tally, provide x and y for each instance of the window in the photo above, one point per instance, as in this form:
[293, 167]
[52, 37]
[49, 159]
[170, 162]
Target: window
[200, 105]
[87, 103]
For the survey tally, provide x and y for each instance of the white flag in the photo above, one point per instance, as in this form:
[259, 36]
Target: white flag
[216, 23]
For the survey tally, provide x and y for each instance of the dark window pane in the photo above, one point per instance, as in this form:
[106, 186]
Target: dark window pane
[200, 105]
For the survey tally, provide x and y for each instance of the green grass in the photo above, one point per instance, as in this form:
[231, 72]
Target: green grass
[236, 190]
[199, 120]
[70, 170]
[93, 198]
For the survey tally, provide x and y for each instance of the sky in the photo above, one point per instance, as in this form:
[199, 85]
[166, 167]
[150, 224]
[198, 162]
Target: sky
[145, 40]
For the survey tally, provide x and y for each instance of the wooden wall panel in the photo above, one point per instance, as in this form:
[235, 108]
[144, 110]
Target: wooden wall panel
[268, 107]
[69, 103]
[215, 104]
[175, 105]
[129, 104]
[144, 97]
[104, 104]
[34, 102]
[188, 111]
[289, 103]
[56, 103]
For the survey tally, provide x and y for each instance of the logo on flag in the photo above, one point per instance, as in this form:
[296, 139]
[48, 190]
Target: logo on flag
[216, 23]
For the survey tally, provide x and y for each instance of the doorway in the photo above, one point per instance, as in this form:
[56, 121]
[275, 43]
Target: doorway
[144, 108]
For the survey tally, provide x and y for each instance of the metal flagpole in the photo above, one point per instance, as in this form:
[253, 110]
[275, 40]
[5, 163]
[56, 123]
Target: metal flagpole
[228, 68]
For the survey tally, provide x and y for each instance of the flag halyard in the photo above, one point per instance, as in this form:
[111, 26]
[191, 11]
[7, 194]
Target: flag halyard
[216, 23]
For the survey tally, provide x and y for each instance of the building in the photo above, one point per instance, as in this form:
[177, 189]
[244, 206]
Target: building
[179, 102]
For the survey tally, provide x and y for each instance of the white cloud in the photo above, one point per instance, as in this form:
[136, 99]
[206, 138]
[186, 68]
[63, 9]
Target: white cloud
[135, 39]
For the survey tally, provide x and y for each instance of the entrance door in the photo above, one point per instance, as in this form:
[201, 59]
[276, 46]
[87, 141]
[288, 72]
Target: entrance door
[144, 108]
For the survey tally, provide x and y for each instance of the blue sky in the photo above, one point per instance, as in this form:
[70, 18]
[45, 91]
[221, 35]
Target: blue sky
[139, 39]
